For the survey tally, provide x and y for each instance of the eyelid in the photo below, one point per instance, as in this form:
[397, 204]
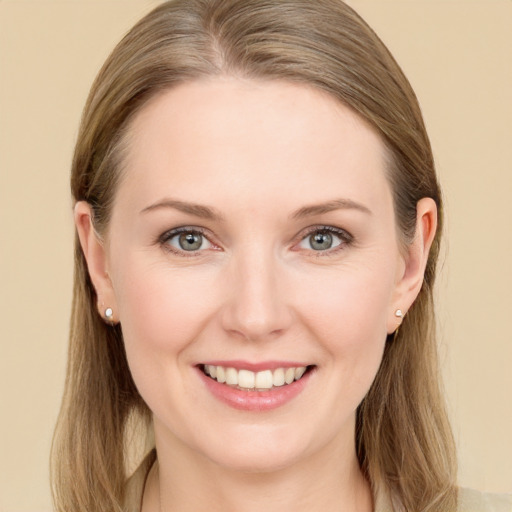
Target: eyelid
[164, 238]
[345, 237]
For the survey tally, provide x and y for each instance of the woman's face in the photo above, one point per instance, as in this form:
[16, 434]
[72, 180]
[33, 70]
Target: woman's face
[253, 232]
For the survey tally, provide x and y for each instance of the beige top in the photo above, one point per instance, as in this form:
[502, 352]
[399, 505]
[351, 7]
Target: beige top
[469, 500]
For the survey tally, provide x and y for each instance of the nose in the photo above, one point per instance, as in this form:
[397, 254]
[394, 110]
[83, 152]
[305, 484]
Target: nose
[257, 305]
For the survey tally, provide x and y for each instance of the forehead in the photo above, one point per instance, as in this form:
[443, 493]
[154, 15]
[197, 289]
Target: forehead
[246, 140]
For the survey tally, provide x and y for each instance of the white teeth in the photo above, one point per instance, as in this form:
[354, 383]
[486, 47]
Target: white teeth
[264, 380]
[278, 377]
[221, 374]
[299, 372]
[246, 379]
[232, 377]
[289, 375]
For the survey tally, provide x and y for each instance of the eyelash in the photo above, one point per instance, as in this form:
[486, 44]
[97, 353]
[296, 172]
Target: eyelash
[166, 237]
[346, 239]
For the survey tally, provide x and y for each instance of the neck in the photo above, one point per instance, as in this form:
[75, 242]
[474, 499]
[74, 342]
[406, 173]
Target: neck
[329, 481]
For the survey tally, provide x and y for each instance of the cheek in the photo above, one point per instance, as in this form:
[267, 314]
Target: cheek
[161, 305]
[162, 311]
[351, 304]
[348, 313]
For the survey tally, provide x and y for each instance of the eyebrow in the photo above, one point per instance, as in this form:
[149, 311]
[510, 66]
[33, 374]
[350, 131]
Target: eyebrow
[206, 212]
[198, 210]
[329, 206]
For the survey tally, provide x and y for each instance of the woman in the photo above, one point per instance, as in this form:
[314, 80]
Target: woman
[258, 223]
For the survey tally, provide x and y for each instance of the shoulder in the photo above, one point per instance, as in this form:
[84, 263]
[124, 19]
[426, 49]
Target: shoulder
[476, 501]
[469, 501]
[134, 488]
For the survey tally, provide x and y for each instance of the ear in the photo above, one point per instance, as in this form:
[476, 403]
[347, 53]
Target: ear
[95, 254]
[414, 262]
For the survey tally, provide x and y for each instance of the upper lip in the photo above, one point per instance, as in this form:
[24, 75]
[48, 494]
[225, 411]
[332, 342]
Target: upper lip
[254, 367]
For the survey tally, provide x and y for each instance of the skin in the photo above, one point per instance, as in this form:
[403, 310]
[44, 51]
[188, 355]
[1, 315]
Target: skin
[255, 153]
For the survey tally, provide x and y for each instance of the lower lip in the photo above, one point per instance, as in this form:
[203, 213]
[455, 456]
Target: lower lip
[258, 401]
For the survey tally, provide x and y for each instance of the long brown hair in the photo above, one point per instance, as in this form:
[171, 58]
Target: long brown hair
[404, 442]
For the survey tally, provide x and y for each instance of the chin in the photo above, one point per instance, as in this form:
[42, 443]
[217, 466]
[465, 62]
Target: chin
[263, 461]
[258, 452]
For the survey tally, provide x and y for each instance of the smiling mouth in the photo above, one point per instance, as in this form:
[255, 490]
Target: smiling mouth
[247, 380]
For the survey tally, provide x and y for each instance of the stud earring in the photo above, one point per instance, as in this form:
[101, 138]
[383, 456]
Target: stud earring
[399, 314]
[109, 315]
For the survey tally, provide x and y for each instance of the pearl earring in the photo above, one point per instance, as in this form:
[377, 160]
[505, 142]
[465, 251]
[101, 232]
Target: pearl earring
[109, 315]
[399, 314]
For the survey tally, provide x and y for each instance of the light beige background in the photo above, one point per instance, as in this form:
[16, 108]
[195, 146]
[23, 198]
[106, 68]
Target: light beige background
[458, 56]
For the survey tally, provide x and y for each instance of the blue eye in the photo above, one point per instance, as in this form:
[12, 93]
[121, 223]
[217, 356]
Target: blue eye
[324, 239]
[187, 240]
